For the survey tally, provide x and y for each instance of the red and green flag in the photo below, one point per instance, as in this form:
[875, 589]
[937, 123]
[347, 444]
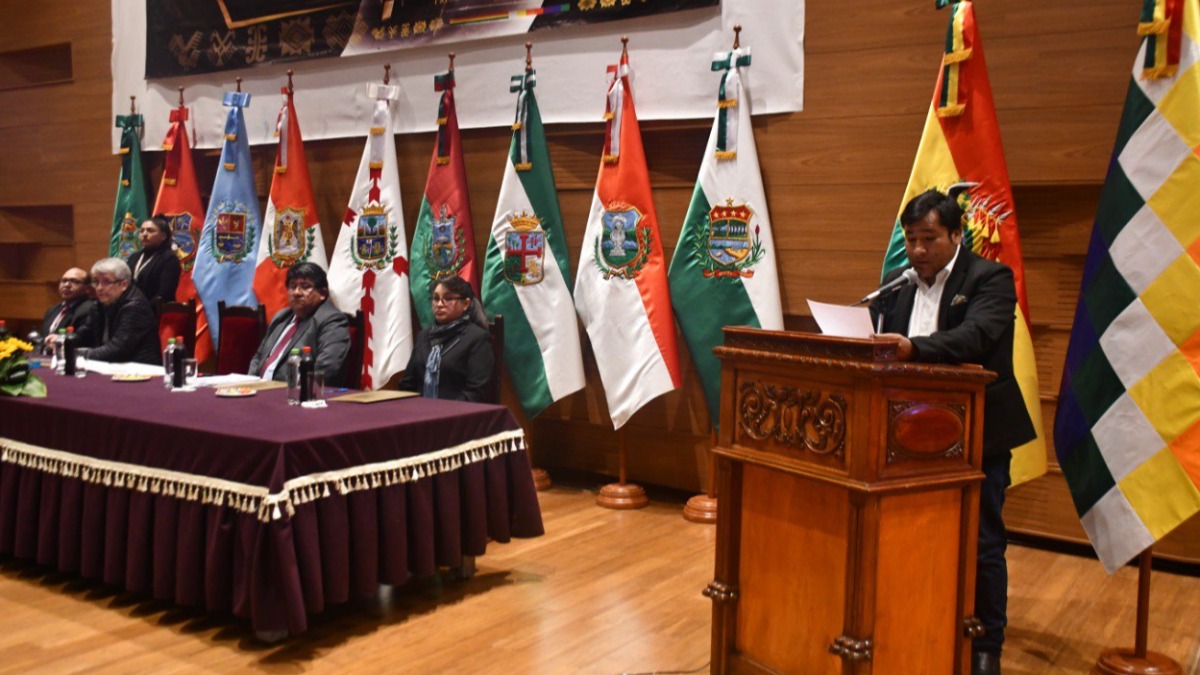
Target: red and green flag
[443, 239]
[961, 144]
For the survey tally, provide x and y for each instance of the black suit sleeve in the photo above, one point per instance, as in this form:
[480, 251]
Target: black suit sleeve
[413, 378]
[989, 312]
[480, 362]
[132, 323]
[168, 280]
[88, 323]
[333, 344]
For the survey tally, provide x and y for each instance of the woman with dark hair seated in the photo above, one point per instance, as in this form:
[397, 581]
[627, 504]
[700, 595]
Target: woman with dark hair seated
[453, 359]
[156, 268]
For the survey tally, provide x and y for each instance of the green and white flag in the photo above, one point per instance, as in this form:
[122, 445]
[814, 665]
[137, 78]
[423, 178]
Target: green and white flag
[132, 205]
[526, 276]
[723, 272]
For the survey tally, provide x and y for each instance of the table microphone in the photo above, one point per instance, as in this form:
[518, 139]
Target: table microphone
[908, 277]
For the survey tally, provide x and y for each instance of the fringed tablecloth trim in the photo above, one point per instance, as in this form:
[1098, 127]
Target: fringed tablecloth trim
[254, 499]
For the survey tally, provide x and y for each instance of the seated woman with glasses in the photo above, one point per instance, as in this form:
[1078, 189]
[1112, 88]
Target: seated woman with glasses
[130, 330]
[453, 359]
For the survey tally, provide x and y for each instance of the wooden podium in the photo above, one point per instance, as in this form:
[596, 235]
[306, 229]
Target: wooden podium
[849, 491]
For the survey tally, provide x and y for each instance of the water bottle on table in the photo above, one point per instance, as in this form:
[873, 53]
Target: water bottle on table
[293, 377]
[169, 364]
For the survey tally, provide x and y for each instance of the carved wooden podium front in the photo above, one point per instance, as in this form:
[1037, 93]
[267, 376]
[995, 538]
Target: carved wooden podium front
[849, 492]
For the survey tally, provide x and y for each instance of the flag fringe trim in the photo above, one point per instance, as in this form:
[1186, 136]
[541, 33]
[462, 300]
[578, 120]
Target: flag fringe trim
[1159, 72]
[256, 500]
[727, 103]
[726, 154]
[169, 182]
[524, 166]
[443, 161]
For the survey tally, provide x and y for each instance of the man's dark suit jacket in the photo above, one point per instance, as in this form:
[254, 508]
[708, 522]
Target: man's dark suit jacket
[83, 315]
[326, 331]
[130, 331]
[975, 325]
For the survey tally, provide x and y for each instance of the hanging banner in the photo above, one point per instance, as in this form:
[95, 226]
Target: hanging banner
[185, 37]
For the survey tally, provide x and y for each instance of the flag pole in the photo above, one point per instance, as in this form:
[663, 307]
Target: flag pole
[1139, 660]
[702, 508]
[622, 495]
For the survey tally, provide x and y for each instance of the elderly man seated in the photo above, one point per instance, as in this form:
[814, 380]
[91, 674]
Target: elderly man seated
[130, 330]
[309, 321]
[77, 310]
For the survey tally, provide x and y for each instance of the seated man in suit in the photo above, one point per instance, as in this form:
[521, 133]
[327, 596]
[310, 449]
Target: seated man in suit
[309, 321]
[77, 310]
[130, 329]
[961, 310]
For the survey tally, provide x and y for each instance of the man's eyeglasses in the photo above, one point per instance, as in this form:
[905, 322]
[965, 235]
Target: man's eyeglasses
[105, 283]
[445, 299]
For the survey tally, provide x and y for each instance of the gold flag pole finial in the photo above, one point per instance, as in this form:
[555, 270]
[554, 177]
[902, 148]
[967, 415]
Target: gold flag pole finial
[528, 56]
[181, 97]
[737, 35]
[387, 73]
[624, 45]
[132, 105]
[291, 89]
[451, 55]
[239, 84]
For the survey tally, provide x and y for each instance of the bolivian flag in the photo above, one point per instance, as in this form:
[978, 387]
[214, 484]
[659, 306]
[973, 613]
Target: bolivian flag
[961, 143]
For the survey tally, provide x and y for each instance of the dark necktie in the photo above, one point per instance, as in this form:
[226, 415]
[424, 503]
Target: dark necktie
[279, 347]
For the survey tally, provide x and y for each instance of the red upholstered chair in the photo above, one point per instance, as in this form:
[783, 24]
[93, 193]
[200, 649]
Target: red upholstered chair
[175, 320]
[242, 329]
[358, 346]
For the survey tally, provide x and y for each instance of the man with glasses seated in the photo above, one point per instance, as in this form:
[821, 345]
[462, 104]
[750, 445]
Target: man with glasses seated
[130, 329]
[453, 359]
[310, 320]
[77, 310]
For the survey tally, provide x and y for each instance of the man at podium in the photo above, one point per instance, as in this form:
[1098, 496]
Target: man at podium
[961, 310]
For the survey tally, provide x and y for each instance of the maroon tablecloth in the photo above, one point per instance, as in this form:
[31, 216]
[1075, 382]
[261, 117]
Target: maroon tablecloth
[249, 505]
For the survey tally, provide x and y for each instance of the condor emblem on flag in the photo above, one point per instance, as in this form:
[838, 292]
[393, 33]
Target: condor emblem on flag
[184, 238]
[730, 251]
[622, 248]
[289, 240]
[374, 243]
[524, 251]
[230, 239]
[445, 253]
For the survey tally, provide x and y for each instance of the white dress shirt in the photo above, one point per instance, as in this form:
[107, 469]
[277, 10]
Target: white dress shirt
[924, 318]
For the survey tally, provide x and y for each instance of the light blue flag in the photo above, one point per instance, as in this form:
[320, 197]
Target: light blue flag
[228, 248]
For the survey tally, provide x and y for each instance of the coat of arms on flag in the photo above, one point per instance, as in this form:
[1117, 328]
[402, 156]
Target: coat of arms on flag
[184, 238]
[231, 238]
[524, 250]
[127, 240]
[623, 248]
[374, 243]
[291, 239]
[729, 250]
[447, 243]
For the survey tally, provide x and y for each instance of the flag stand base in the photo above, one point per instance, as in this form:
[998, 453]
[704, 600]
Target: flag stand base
[1139, 660]
[622, 496]
[701, 509]
[541, 480]
[1126, 662]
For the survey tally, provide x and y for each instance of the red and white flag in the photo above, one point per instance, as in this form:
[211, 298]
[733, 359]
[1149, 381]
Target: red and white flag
[369, 266]
[621, 291]
[179, 200]
[291, 229]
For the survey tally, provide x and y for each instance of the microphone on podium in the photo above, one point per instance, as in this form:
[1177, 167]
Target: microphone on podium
[909, 276]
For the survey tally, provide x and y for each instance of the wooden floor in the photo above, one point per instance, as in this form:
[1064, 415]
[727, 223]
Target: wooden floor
[602, 592]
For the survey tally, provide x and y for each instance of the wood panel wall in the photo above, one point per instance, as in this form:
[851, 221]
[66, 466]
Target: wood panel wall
[834, 175]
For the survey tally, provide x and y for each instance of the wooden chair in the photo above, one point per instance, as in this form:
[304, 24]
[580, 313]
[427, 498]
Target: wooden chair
[358, 346]
[242, 329]
[496, 328]
[177, 319]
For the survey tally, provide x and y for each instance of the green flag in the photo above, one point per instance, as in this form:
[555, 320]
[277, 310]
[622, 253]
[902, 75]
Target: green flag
[131, 208]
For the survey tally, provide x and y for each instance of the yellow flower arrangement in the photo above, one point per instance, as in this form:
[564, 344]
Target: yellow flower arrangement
[15, 378]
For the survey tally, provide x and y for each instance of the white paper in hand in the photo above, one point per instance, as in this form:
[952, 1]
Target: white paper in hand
[842, 321]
